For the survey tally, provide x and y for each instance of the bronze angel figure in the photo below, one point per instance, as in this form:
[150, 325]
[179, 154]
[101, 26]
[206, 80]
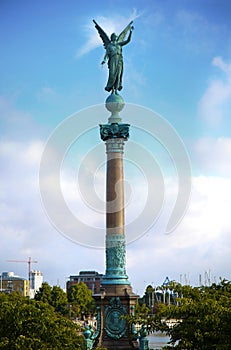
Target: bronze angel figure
[114, 55]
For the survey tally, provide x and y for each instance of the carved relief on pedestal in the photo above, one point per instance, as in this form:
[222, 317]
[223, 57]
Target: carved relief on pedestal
[115, 323]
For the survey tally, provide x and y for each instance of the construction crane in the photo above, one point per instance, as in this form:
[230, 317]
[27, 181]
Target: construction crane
[29, 262]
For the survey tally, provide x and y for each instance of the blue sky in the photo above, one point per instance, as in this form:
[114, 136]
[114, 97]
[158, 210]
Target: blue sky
[177, 64]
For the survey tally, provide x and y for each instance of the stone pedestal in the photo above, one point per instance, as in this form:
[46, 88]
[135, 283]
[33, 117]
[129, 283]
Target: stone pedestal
[114, 304]
[116, 299]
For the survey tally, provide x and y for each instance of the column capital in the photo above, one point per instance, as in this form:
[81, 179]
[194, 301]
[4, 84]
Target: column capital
[114, 131]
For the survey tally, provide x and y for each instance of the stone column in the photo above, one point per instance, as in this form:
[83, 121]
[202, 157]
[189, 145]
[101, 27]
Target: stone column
[116, 299]
[115, 237]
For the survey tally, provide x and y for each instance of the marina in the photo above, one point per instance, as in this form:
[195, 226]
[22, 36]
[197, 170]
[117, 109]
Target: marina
[158, 340]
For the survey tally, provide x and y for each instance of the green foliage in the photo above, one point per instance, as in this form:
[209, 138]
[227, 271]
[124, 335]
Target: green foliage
[44, 293]
[206, 318]
[76, 303]
[141, 311]
[30, 325]
[59, 300]
[53, 296]
[149, 289]
[80, 297]
[142, 317]
[203, 315]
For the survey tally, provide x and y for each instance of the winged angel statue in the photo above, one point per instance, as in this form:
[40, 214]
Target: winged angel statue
[114, 55]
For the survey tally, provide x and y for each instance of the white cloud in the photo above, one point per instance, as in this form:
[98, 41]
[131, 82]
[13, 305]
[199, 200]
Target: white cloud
[218, 62]
[114, 24]
[16, 124]
[213, 156]
[201, 242]
[215, 103]
[24, 228]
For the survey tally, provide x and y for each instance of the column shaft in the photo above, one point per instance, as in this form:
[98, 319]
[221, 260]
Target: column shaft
[115, 238]
[115, 193]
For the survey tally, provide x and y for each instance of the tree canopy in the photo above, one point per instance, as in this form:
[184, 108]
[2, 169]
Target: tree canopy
[202, 315]
[205, 318]
[30, 325]
[54, 296]
[80, 298]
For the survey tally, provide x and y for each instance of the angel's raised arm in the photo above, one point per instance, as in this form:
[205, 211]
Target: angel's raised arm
[125, 42]
[102, 34]
[124, 33]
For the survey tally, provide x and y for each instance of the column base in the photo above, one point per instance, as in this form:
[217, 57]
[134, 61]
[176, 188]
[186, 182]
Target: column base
[115, 302]
[114, 280]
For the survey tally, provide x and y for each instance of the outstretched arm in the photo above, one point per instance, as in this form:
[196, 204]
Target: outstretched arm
[125, 42]
[105, 58]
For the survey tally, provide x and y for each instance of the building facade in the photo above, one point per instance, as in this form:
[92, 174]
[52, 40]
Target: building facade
[36, 280]
[92, 279]
[10, 283]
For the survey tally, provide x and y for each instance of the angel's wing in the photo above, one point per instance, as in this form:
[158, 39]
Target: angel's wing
[124, 32]
[102, 34]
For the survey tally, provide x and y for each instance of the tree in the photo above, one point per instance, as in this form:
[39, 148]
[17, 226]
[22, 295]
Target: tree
[142, 317]
[80, 297]
[34, 325]
[205, 315]
[202, 315]
[44, 293]
[59, 300]
[54, 296]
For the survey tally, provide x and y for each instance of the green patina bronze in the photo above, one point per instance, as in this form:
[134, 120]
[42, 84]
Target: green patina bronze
[143, 340]
[115, 322]
[113, 55]
[114, 104]
[114, 130]
[90, 334]
[115, 260]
